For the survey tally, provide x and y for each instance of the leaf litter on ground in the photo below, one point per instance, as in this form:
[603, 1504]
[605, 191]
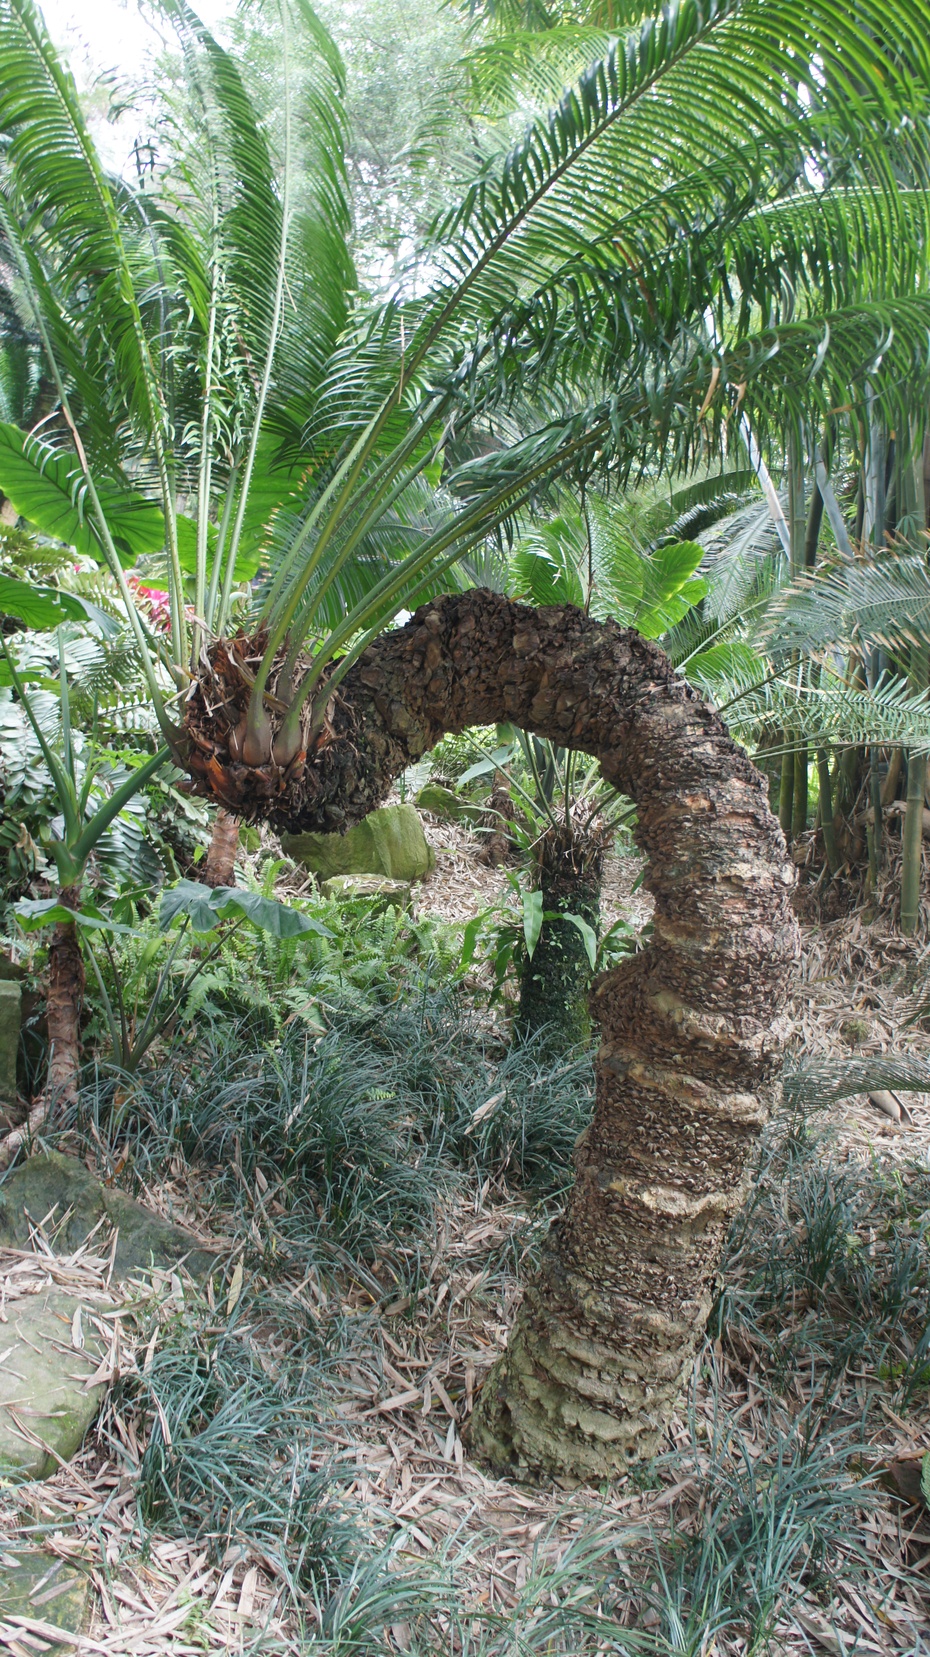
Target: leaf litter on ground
[345, 1514]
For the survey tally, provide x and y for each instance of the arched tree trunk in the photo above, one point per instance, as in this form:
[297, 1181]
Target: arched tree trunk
[219, 865]
[606, 1334]
[554, 981]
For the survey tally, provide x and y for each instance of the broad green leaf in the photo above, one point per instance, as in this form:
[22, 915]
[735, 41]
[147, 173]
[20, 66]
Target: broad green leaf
[673, 565]
[33, 914]
[28, 676]
[588, 935]
[618, 927]
[41, 608]
[46, 486]
[268, 915]
[494, 762]
[730, 660]
[532, 919]
[191, 901]
[204, 908]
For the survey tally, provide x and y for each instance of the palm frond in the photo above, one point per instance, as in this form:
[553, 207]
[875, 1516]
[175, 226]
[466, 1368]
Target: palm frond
[882, 600]
[831, 714]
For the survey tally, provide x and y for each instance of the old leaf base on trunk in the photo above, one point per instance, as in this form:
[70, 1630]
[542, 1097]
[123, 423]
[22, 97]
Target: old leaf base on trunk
[689, 1027]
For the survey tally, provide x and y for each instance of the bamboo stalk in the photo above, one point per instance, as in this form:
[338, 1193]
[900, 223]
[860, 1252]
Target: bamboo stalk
[912, 838]
[799, 791]
[826, 811]
[786, 790]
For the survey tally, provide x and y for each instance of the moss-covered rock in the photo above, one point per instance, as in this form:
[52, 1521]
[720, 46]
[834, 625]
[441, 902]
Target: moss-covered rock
[388, 842]
[10, 1013]
[381, 892]
[443, 802]
[46, 1405]
[60, 1187]
[46, 1589]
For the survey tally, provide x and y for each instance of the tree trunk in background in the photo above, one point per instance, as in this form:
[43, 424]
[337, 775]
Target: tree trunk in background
[799, 804]
[63, 1008]
[554, 982]
[219, 865]
[786, 790]
[498, 844]
[605, 1338]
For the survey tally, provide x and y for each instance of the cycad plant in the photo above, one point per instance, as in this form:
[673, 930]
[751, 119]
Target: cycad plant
[723, 218]
[583, 555]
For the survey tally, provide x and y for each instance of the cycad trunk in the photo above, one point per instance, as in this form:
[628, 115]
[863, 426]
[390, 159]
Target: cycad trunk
[554, 982]
[606, 1334]
[64, 1005]
[219, 865]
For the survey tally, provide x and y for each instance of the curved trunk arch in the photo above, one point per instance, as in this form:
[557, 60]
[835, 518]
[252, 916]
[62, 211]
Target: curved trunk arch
[606, 1334]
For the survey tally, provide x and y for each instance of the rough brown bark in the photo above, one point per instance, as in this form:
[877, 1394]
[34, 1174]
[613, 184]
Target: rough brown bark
[63, 1008]
[219, 865]
[606, 1335]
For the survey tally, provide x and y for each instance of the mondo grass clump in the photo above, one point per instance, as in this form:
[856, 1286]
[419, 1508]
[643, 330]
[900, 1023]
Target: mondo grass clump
[221, 1439]
[342, 1141]
[827, 1265]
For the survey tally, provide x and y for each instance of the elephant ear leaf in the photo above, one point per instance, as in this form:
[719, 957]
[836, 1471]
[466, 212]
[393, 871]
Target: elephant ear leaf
[40, 608]
[204, 908]
[266, 914]
[35, 913]
[46, 487]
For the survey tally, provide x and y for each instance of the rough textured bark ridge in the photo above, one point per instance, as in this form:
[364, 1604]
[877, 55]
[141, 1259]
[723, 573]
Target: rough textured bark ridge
[689, 1028]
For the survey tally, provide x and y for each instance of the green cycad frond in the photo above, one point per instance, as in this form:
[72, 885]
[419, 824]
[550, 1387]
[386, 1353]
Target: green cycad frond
[706, 83]
[683, 410]
[736, 552]
[51, 166]
[881, 600]
[585, 557]
[831, 714]
[527, 64]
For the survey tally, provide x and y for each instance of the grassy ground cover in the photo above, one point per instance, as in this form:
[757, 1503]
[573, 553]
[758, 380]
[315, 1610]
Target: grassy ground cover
[280, 1465]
